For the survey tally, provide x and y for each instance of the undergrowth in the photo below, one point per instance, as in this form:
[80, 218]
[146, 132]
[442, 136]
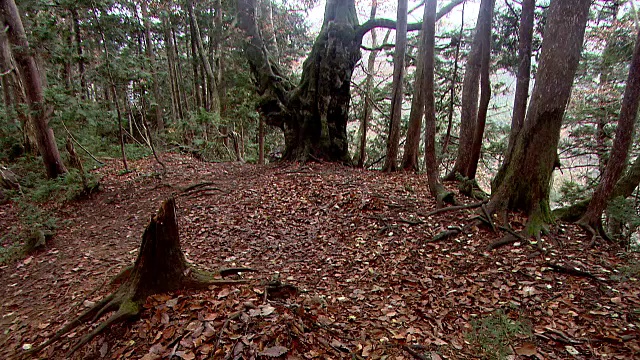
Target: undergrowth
[495, 334]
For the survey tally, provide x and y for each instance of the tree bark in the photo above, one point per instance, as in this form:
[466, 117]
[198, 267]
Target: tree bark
[427, 82]
[469, 111]
[535, 149]
[485, 98]
[152, 63]
[620, 151]
[33, 85]
[524, 71]
[391, 160]
[80, 52]
[314, 114]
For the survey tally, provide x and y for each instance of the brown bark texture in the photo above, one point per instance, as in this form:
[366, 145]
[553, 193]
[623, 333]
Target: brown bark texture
[621, 144]
[521, 96]
[485, 98]
[412, 144]
[470, 92]
[314, 113]
[393, 141]
[428, 84]
[27, 67]
[525, 180]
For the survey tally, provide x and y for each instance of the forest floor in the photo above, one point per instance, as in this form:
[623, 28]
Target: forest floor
[356, 245]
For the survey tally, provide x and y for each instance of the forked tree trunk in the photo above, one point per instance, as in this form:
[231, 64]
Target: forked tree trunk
[524, 71]
[525, 180]
[592, 219]
[33, 86]
[470, 91]
[393, 141]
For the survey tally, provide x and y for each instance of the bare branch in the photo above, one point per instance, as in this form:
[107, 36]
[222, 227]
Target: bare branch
[391, 24]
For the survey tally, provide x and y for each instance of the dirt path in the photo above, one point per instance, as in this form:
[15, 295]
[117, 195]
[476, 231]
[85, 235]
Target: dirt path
[353, 244]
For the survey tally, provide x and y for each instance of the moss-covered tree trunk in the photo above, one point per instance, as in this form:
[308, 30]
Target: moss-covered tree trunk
[313, 114]
[31, 77]
[524, 181]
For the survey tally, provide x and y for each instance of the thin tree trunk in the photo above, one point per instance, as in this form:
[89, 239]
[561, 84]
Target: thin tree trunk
[33, 85]
[80, 53]
[114, 91]
[152, 63]
[195, 63]
[213, 97]
[469, 111]
[427, 82]
[368, 88]
[183, 105]
[485, 98]
[391, 161]
[524, 72]
[452, 89]
[620, 151]
[168, 40]
[261, 141]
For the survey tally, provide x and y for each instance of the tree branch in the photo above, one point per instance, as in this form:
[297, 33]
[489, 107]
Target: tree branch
[391, 24]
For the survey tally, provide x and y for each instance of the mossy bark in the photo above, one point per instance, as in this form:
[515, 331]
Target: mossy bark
[523, 182]
[313, 114]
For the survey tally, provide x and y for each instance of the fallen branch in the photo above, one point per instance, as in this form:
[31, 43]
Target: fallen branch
[570, 271]
[453, 208]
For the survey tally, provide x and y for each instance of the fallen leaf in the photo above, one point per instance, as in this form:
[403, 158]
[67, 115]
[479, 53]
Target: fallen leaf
[526, 349]
[274, 351]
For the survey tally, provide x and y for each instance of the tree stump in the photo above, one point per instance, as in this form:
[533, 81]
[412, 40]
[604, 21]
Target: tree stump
[159, 268]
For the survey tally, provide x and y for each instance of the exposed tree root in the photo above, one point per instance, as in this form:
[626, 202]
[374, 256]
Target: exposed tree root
[571, 271]
[159, 268]
[453, 208]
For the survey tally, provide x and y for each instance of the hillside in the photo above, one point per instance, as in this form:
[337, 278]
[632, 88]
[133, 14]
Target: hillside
[367, 281]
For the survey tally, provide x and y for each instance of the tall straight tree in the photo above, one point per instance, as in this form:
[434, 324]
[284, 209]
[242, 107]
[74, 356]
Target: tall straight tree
[592, 219]
[524, 70]
[535, 149]
[31, 77]
[427, 83]
[470, 91]
[485, 97]
[397, 97]
[368, 88]
[148, 45]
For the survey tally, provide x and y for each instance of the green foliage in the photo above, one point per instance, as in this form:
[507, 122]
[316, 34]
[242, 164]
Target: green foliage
[570, 192]
[494, 334]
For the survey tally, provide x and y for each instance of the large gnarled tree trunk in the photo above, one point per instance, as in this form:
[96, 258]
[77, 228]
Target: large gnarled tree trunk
[41, 112]
[524, 181]
[314, 114]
